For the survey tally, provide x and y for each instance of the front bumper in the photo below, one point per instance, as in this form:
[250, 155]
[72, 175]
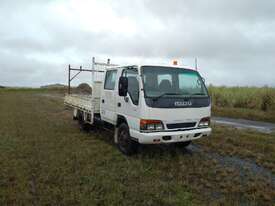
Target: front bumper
[169, 137]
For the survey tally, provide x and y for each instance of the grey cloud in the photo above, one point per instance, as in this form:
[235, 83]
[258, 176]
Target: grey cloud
[241, 11]
[19, 70]
[226, 36]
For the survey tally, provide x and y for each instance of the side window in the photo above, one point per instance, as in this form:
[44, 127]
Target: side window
[133, 85]
[110, 80]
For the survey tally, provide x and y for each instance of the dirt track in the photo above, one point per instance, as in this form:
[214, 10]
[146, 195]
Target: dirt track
[264, 127]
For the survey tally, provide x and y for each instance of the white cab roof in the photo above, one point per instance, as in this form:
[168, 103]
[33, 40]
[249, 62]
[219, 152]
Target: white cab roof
[151, 65]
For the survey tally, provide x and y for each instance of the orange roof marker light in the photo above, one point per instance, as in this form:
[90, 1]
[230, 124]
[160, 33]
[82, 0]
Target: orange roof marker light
[175, 62]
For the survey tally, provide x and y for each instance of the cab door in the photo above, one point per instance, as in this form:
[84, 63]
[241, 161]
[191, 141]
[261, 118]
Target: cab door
[108, 97]
[129, 106]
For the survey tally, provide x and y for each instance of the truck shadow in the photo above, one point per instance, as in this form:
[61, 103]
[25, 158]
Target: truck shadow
[163, 150]
[151, 151]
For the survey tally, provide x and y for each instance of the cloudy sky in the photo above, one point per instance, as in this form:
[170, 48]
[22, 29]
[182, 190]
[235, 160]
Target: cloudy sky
[234, 40]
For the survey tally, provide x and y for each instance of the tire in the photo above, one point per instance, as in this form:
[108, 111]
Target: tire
[82, 124]
[183, 144]
[124, 142]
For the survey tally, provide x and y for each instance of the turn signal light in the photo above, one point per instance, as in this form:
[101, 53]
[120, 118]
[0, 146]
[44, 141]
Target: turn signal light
[205, 122]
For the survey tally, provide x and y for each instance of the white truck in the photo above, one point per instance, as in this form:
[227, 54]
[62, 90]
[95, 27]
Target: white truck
[145, 104]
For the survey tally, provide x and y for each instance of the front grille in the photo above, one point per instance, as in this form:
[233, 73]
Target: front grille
[183, 125]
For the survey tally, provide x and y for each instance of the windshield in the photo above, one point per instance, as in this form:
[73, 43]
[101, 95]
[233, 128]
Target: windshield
[163, 82]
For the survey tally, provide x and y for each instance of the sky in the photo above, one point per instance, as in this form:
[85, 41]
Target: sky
[234, 41]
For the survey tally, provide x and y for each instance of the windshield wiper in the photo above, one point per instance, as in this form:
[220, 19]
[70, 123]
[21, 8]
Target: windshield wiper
[199, 94]
[166, 93]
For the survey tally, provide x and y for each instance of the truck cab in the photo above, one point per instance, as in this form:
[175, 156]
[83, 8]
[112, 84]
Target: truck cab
[150, 104]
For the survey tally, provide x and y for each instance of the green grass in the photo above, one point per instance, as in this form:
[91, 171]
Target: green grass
[46, 160]
[244, 102]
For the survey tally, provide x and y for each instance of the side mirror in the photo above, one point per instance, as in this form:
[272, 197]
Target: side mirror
[122, 86]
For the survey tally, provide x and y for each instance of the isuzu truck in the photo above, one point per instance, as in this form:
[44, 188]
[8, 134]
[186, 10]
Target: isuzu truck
[144, 104]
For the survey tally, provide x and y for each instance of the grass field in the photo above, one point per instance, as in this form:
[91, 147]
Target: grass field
[244, 102]
[46, 160]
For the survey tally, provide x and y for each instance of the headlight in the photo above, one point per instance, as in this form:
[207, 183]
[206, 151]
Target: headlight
[205, 122]
[151, 125]
[159, 126]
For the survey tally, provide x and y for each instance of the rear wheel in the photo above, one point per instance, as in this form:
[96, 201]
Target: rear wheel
[83, 125]
[124, 142]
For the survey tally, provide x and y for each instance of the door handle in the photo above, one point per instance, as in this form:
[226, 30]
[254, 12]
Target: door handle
[102, 100]
[119, 104]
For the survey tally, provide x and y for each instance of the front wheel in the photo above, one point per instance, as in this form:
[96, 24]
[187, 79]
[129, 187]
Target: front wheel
[124, 142]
